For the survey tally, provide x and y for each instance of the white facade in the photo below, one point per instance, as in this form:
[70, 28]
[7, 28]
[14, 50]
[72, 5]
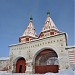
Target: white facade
[30, 50]
[30, 45]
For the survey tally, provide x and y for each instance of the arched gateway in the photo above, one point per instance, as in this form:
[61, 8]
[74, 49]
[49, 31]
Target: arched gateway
[46, 61]
[21, 65]
[40, 60]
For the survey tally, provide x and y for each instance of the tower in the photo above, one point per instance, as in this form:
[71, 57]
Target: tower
[29, 33]
[49, 28]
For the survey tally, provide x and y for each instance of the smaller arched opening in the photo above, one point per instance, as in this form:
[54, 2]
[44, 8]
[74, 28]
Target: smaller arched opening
[21, 65]
[46, 61]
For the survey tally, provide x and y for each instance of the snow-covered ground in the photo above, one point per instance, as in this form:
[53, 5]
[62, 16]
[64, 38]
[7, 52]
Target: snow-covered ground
[64, 72]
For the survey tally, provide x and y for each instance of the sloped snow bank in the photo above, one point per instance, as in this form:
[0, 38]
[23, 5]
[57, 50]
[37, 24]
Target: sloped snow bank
[67, 72]
[2, 72]
[50, 74]
[74, 72]
[63, 72]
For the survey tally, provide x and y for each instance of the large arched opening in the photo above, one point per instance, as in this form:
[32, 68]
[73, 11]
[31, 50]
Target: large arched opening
[46, 61]
[21, 65]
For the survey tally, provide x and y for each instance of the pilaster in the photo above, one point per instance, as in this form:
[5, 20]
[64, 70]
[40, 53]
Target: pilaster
[29, 66]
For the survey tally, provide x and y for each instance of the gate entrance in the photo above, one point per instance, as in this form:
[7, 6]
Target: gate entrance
[46, 61]
[20, 65]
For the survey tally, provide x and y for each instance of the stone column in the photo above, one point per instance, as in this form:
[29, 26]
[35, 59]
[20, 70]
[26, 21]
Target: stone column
[29, 67]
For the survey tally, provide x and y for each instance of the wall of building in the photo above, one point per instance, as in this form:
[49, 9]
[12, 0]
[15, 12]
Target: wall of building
[31, 49]
[4, 64]
[71, 51]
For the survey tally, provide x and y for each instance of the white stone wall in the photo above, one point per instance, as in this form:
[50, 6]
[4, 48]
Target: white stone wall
[4, 65]
[71, 51]
[31, 49]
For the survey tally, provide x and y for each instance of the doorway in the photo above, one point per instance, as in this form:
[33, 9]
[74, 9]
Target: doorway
[21, 65]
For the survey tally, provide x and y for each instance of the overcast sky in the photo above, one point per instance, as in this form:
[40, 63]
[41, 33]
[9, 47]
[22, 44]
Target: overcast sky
[15, 14]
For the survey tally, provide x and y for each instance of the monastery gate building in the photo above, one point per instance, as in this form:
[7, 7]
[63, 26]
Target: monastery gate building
[47, 52]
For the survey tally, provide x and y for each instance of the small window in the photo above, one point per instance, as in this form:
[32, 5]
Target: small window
[51, 33]
[27, 39]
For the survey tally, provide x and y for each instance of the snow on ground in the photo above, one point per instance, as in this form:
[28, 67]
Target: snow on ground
[67, 72]
[60, 73]
[63, 72]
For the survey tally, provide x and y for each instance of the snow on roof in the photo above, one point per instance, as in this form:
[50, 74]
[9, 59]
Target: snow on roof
[4, 58]
[70, 47]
